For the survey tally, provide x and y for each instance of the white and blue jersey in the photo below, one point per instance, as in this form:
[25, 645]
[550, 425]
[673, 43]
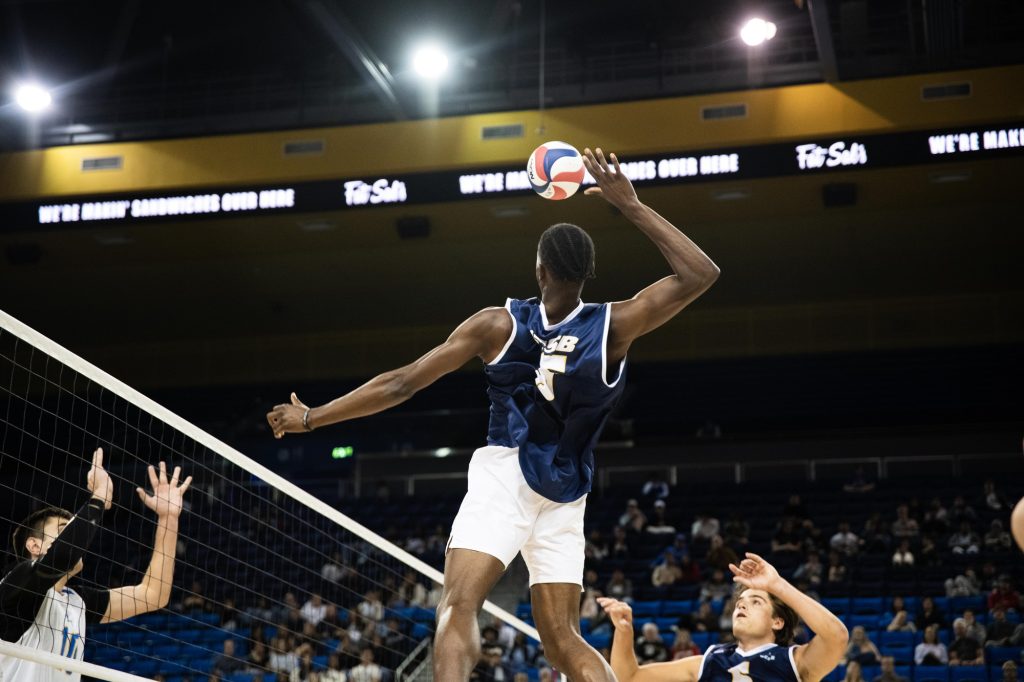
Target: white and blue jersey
[767, 663]
[551, 392]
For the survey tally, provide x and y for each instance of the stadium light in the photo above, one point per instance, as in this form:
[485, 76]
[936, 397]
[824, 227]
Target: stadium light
[757, 31]
[430, 61]
[32, 97]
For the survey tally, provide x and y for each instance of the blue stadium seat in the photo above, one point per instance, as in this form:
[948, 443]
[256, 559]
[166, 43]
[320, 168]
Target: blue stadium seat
[868, 622]
[837, 605]
[524, 611]
[419, 631]
[676, 607]
[423, 615]
[997, 655]
[167, 651]
[646, 609]
[669, 638]
[665, 624]
[870, 672]
[957, 605]
[976, 673]
[903, 671]
[240, 677]
[704, 639]
[599, 641]
[145, 667]
[837, 674]
[865, 605]
[320, 662]
[896, 639]
[902, 654]
[931, 673]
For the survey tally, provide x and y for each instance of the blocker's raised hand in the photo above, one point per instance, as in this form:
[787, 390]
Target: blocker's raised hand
[612, 183]
[168, 495]
[287, 418]
[98, 480]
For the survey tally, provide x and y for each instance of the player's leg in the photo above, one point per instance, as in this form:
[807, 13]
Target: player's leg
[493, 522]
[554, 555]
[469, 576]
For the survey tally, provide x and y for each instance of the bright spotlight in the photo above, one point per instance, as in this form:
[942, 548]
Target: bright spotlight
[430, 61]
[756, 31]
[31, 97]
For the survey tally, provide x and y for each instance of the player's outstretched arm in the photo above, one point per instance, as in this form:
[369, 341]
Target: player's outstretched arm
[483, 335]
[694, 272]
[154, 592]
[624, 663]
[818, 658]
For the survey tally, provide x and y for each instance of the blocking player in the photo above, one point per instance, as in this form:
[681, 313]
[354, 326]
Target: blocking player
[38, 608]
[768, 609]
[555, 368]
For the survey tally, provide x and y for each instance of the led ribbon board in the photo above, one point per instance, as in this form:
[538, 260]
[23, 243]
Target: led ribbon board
[803, 157]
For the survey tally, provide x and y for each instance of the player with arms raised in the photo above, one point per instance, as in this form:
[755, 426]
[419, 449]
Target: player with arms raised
[37, 607]
[767, 610]
[555, 368]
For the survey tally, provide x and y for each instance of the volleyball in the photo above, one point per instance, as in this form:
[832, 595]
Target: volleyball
[555, 170]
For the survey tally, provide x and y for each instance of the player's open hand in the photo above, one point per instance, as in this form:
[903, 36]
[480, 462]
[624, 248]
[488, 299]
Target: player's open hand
[98, 480]
[287, 418]
[619, 612]
[166, 498]
[612, 183]
[755, 573]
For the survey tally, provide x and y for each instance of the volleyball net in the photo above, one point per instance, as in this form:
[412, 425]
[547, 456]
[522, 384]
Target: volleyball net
[267, 578]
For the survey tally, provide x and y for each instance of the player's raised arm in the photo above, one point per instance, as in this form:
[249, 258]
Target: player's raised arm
[694, 272]
[483, 335]
[623, 659]
[819, 657]
[154, 592]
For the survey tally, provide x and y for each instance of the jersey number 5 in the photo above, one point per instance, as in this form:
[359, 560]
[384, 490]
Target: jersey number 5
[741, 672]
[550, 365]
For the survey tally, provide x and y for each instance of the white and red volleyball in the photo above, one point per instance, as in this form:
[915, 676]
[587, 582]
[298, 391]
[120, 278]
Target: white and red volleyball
[555, 170]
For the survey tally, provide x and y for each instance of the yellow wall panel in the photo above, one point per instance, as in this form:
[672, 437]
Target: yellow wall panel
[628, 127]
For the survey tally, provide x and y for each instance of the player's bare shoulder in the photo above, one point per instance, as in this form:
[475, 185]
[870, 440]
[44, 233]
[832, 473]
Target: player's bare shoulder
[489, 329]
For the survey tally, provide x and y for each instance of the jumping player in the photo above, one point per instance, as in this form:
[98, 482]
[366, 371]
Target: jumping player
[767, 611]
[555, 368]
[37, 607]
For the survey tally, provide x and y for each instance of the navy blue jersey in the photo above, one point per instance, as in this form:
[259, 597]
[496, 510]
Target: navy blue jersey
[551, 393]
[729, 663]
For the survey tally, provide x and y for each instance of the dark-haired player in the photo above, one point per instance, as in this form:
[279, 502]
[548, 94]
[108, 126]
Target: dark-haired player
[767, 611]
[555, 368]
[37, 607]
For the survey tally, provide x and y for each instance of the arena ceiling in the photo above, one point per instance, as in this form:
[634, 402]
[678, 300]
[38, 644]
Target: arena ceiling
[134, 69]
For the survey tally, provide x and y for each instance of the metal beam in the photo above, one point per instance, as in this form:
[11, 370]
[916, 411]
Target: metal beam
[344, 35]
[818, 9]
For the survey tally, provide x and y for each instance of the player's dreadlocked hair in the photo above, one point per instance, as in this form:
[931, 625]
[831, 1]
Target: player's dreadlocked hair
[567, 252]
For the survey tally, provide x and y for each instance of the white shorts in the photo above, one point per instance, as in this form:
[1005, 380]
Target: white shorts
[502, 516]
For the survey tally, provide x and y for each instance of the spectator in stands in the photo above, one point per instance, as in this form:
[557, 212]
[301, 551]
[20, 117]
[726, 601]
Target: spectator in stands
[964, 585]
[859, 483]
[545, 675]
[1003, 596]
[928, 555]
[836, 569]
[620, 546]
[974, 629]
[258, 658]
[811, 570]
[667, 572]
[997, 539]
[194, 599]
[282, 658]
[367, 670]
[333, 571]
[633, 519]
[929, 614]
[786, 539]
[931, 651]
[705, 527]
[656, 487]
[876, 535]
[993, 500]
[737, 532]
[716, 587]
[371, 609]
[689, 571]
[861, 649]
[314, 610]
[658, 524]
[964, 649]
[227, 662]
[845, 541]
[721, 555]
[936, 519]
[725, 620]
[811, 538]
[679, 547]
[229, 616]
[704, 620]
[411, 592]
[650, 648]
[619, 586]
[334, 672]
[888, 673]
[596, 550]
[683, 646]
[961, 511]
[901, 623]
[306, 672]
[905, 527]
[1000, 631]
[795, 509]
[903, 557]
[1009, 672]
[965, 540]
[491, 667]
[853, 672]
